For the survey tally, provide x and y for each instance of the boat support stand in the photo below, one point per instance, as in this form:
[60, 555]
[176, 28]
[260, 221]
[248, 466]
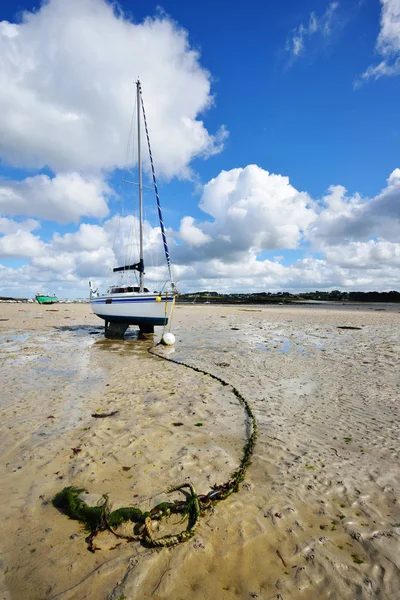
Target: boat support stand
[117, 330]
[146, 329]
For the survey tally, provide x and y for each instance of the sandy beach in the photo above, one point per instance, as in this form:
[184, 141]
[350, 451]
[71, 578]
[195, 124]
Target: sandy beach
[318, 515]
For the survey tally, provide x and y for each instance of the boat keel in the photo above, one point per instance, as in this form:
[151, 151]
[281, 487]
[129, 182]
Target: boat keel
[115, 330]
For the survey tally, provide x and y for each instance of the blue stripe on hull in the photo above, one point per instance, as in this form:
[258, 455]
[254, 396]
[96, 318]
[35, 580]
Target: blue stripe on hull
[128, 300]
[135, 320]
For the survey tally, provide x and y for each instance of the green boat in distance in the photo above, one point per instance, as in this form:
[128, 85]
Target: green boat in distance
[46, 299]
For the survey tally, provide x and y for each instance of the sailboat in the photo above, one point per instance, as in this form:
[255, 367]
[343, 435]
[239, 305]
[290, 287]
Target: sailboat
[125, 305]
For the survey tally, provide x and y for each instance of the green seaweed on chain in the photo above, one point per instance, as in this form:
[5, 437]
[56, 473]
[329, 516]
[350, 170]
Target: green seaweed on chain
[68, 501]
[122, 515]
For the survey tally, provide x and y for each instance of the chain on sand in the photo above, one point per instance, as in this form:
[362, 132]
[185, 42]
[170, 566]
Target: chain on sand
[100, 518]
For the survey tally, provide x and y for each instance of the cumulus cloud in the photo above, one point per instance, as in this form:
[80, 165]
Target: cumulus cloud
[192, 235]
[88, 237]
[21, 244]
[343, 219]
[96, 263]
[11, 226]
[67, 93]
[53, 263]
[93, 250]
[296, 42]
[63, 198]
[387, 45]
[249, 212]
[302, 275]
[252, 210]
[365, 255]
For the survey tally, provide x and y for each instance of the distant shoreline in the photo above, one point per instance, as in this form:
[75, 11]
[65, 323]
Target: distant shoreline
[321, 303]
[389, 298]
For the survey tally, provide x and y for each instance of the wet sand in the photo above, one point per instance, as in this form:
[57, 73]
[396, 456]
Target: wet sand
[318, 515]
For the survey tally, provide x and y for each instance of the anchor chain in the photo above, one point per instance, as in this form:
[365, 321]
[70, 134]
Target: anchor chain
[99, 518]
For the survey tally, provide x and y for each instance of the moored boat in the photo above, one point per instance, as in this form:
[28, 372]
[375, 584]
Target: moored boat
[46, 298]
[125, 304]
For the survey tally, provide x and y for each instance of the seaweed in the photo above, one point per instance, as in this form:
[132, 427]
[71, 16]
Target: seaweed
[68, 501]
[122, 515]
[357, 559]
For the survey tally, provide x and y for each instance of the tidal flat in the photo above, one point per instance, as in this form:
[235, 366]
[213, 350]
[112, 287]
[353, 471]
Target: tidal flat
[318, 515]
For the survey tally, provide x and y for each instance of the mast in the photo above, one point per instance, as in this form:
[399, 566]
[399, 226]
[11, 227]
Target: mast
[138, 91]
[140, 265]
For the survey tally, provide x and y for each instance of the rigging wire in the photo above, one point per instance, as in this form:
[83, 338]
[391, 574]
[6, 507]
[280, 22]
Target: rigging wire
[128, 221]
[164, 238]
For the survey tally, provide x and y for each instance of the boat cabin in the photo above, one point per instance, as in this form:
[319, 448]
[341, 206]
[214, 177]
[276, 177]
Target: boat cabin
[125, 290]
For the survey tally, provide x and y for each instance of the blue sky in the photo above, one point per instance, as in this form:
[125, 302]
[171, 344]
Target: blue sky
[268, 115]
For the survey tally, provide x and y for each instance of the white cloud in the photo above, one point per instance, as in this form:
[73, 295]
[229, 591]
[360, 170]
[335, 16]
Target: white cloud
[312, 273]
[88, 237]
[63, 198]
[96, 263]
[67, 93]
[192, 235]
[345, 219]
[389, 35]
[394, 178]
[322, 25]
[246, 272]
[387, 45]
[365, 255]
[123, 237]
[252, 210]
[11, 226]
[92, 251]
[20, 244]
[53, 263]
[302, 275]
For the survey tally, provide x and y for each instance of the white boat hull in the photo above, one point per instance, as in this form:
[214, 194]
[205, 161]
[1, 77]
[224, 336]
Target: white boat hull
[134, 308]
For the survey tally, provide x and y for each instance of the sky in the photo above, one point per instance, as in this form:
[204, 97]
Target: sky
[275, 133]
